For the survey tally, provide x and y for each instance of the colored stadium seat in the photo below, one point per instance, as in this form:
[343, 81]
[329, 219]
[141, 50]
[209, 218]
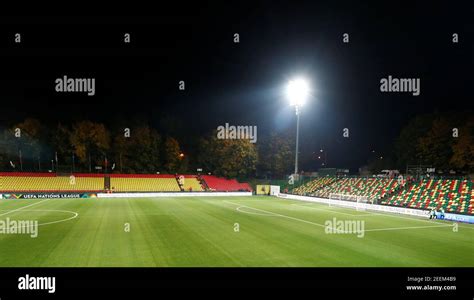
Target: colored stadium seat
[316, 184]
[225, 185]
[144, 184]
[192, 184]
[50, 183]
[372, 188]
[453, 195]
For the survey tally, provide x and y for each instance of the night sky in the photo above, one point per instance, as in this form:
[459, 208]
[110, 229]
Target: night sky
[243, 84]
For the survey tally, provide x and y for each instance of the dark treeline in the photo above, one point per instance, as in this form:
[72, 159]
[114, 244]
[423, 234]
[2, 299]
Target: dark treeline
[444, 141]
[88, 146]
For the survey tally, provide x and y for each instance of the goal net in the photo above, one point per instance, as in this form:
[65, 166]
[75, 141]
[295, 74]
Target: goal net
[348, 201]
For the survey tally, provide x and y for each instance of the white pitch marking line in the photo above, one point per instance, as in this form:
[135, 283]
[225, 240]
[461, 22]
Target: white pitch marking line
[389, 214]
[253, 213]
[414, 218]
[60, 221]
[333, 211]
[412, 227]
[75, 215]
[279, 215]
[23, 207]
[309, 222]
[394, 215]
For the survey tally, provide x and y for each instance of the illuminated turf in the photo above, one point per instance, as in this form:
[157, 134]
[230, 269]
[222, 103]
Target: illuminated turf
[201, 232]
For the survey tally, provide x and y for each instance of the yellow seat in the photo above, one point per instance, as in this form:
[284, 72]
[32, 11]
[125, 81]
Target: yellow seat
[126, 184]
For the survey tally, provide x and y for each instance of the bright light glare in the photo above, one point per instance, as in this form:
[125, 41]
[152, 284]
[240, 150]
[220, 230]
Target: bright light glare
[297, 92]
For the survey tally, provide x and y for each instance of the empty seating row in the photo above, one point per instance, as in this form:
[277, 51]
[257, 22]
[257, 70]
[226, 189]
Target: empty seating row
[46, 184]
[453, 195]
[225, 185]
[134, 184]
[372, 188]
[191, 184]
[310, 187]
[51, 182]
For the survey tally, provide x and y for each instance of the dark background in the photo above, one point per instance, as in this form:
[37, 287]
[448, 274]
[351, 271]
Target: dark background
[243, 84]
[338, 283]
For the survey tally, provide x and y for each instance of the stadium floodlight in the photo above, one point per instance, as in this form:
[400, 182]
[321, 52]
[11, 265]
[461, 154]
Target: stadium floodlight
[297, 92]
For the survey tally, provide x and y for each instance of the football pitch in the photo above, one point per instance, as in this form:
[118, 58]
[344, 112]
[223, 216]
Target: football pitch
[254, 231]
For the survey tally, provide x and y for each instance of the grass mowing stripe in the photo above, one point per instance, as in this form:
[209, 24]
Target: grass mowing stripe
[195, 231]
[352, 215]
[327, 210]
[280, 215]
[388, 214]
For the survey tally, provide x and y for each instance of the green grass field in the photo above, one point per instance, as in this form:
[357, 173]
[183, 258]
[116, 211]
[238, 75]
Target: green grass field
[200, 232]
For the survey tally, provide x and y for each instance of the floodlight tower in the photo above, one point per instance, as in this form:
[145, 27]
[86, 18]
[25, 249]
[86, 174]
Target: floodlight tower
[297, 92]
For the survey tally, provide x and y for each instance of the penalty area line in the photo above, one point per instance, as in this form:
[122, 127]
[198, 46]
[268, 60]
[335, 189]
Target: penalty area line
[321, 225]
[276, 214]
[333, 211]
[254, 213]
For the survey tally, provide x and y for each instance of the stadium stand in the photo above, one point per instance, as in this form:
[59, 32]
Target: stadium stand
[372, 188]
[453, 195]
[191, 184]
[143, 183]
[50, 182]
[225, 185]
[310, 187]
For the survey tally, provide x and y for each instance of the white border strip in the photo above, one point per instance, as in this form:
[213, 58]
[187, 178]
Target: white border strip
[355, 205]
[185, 194]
